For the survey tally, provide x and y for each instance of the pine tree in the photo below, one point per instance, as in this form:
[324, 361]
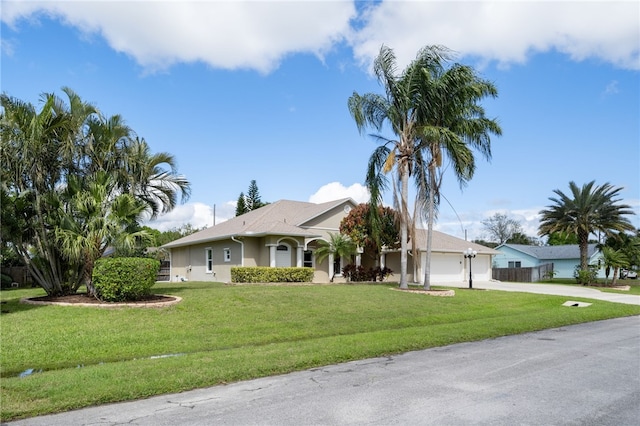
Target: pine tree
[241, 206]
[253, 200]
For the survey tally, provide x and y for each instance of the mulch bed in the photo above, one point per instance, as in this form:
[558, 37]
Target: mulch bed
[84, 300]
[441, 293]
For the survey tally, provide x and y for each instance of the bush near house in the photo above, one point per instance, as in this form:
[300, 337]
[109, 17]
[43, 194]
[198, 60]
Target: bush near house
[122, 279]
[359, 273]
[586, 276]
[263, 274]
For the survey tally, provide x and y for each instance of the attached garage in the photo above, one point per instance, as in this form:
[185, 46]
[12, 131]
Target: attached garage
[448, 264]
[445, 267]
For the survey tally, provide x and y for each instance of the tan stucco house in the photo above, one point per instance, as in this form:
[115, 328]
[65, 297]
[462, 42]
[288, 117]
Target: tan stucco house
[286, 233]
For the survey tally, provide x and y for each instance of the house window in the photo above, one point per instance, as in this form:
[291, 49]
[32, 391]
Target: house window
[208, 259]
[307, 260]
[227, 255]
[515, 264]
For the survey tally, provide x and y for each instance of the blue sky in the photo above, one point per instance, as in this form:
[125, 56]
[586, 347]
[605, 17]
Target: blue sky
[238, 91]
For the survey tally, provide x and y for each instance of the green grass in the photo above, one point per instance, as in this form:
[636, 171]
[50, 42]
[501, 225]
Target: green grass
[220, 334]
[634, 285]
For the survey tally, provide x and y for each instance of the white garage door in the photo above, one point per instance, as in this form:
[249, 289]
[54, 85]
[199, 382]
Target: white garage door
[445, 268]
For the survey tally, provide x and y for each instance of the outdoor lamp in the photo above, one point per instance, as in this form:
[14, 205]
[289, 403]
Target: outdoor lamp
[468, 254]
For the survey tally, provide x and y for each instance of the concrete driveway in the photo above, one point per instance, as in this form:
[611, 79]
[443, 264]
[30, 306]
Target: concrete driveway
[554, 289]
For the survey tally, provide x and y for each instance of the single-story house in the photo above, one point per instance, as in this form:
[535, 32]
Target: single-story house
[565, 258]
[286, 233]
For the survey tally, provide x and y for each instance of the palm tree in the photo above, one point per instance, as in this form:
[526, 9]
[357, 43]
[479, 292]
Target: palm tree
[620, 250]
[395, 109]
[434, 113]
[451, 124]
[153, 178]
[588, 209]
[32, 169]
[339, 246]
[94, 219]
[44, 154]
[615, 259]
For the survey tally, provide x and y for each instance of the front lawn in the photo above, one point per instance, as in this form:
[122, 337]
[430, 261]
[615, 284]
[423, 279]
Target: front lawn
[634, 285]
[82, 356]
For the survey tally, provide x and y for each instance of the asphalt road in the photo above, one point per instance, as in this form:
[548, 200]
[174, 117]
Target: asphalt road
[587, 374]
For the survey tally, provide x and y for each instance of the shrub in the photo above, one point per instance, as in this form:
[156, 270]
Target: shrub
[359, 273]
[263, 274]
[6, 280]
[586, 276]
[124, 278]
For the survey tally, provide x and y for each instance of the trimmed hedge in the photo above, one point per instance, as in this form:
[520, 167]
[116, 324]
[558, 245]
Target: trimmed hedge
[262, 274]
[121, 279]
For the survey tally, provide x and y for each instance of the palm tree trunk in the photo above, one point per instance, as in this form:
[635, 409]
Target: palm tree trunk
[404, 223]
[583, 241]
[427, 265]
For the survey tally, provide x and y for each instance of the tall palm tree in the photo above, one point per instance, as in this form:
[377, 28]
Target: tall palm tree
[451, 124]
[395, 109]
[588, 209]
[434, 113]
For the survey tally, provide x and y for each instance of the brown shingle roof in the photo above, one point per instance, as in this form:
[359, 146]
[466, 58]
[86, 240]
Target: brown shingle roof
[284, 217]
[442, 242]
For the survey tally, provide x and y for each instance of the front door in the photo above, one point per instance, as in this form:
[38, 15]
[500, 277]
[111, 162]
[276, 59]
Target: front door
[283, 256]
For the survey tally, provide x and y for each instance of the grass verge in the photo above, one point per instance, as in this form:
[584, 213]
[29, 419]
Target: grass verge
[634, 285]
[84, 356]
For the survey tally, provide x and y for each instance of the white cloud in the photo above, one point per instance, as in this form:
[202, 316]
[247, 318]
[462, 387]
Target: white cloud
[224, 34]
[506, 32]
[259, 34]
[336, 190]
[199, 215]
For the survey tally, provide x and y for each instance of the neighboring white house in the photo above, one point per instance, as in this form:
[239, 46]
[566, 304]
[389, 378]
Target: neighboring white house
[286, 233]
[565, 258]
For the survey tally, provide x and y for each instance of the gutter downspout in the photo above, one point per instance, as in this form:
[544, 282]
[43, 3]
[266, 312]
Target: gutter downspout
[233, 238]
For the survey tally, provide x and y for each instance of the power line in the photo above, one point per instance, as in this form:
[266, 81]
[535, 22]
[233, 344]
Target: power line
[464, 231]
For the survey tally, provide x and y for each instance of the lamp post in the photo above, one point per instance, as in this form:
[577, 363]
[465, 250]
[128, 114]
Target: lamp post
[469, 254]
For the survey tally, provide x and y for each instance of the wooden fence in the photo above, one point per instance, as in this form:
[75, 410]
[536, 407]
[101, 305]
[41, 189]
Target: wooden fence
[163, 273]
[22, 277]
[522, 275]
